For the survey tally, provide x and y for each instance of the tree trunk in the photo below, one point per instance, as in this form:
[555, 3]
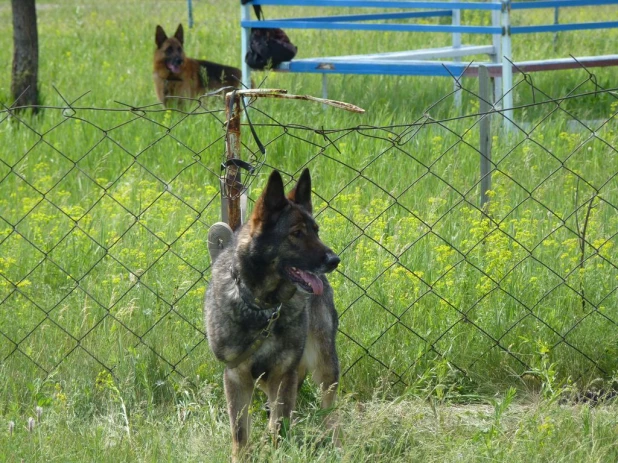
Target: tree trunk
[24, 86]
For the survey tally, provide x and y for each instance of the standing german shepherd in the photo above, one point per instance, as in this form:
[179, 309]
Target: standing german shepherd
[178, 76]
[269, 311]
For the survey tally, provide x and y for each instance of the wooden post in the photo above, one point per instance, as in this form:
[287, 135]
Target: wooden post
[233, 197]
[233, 186]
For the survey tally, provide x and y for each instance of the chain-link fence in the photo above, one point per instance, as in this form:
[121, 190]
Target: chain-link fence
[104, 215]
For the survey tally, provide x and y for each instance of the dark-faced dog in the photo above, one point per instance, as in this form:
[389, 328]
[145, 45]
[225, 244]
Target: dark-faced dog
[176, 75]
[269, 310]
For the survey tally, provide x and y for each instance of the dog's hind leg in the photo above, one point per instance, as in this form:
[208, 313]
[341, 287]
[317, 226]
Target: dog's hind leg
[326, 374]
[238, 391]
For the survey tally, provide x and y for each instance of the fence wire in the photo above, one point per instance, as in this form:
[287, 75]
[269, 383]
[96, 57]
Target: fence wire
[104, 215]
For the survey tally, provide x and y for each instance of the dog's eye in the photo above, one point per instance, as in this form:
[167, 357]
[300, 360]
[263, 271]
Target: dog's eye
[297, 233]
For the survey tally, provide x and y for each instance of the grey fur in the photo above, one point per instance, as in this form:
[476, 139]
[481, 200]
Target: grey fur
[250, 278]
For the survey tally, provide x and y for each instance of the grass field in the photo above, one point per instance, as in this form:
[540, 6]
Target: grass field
[464, 336]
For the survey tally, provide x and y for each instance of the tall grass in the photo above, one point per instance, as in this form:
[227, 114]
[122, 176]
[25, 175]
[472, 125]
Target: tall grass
[103, 260]
[195, 429]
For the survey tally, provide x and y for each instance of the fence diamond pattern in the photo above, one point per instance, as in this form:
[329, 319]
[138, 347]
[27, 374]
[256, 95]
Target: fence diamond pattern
[103, 261]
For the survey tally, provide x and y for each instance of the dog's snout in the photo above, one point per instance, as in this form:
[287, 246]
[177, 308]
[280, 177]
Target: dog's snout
[331, 261]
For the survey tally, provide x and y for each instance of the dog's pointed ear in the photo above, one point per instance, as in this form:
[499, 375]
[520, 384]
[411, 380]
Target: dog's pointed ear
[301, 194]
[160, 36]
[180, 34]
[271, 202]
[274, 195]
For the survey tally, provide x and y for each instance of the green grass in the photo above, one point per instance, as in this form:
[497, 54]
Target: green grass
[103, 263]
[195, 428]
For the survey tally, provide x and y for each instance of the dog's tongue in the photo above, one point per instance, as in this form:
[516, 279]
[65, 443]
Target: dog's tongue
[314, 281]
[175, 69]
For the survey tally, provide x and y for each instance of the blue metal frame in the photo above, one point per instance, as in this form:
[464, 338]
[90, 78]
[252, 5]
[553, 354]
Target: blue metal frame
[190, 13]
[383, 4]
[564, 27]
[372, 17]
[397, 68]
[501, 31]
[353, 26]
[559, 4]
[524, 5]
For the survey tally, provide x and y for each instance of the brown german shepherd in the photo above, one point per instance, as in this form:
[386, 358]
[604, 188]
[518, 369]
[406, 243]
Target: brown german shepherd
[176, 75]
[269, 309]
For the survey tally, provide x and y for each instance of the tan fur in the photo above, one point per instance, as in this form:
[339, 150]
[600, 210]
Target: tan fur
[263, 269]
[190, 78]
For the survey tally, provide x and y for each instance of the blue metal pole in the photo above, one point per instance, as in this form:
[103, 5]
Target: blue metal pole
[245, 15]
[507, 67]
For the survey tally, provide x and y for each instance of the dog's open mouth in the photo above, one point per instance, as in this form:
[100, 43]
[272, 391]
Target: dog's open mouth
[305, 280]
[174, 68]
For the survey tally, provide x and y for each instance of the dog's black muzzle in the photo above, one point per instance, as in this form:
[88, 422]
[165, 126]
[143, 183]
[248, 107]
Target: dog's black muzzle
[174, 64]
[331, 261]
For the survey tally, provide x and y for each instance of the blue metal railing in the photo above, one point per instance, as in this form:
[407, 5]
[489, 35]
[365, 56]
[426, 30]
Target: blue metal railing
[372, 17]
[383, 4]
[294, 24]
[564, 27]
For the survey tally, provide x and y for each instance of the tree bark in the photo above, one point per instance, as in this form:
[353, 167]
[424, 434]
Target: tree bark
[24, 87]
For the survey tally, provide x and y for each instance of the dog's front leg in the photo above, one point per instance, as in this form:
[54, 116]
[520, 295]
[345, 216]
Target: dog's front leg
[238, 391]
[282, 399]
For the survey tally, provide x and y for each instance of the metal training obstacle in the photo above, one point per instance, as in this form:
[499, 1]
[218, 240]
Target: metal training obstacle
[430, 61]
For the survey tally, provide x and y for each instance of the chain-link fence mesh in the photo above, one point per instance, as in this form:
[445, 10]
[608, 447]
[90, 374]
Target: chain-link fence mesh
[104, 216]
